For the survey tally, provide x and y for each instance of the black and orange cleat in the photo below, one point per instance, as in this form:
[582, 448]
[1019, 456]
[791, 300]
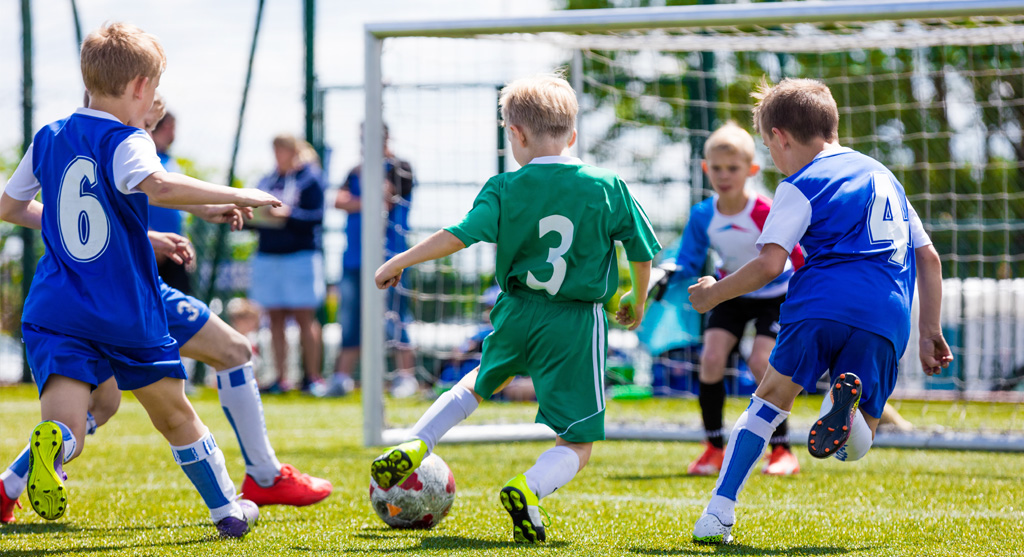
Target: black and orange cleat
[831, 431]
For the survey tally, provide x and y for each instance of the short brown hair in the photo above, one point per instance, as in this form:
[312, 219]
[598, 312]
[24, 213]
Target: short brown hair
[544, 104]
[114, 55]
[730, 138]
[803, 107]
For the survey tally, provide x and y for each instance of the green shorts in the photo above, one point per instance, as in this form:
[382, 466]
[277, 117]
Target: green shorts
[562, 346]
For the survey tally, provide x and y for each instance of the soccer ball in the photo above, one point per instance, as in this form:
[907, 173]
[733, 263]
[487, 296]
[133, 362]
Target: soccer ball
[421, 501]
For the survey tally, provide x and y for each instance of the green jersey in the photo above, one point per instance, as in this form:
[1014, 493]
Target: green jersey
[555, 222]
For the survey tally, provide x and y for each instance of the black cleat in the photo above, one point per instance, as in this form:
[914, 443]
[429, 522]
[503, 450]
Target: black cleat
[831, 431]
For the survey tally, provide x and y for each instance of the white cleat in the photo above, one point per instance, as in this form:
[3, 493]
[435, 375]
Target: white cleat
[710, 530]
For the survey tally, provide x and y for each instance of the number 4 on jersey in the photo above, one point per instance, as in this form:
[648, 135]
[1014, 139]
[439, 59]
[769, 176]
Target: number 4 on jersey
[888, 220]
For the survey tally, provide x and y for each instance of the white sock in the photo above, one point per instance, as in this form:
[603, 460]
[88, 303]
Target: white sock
[203, 463]
[445, 413]
[15, 476]
[747, 442]
[240, 399]
[860, 435]
[554, 468]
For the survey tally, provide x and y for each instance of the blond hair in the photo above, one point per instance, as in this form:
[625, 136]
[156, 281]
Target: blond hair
[544, 104]
[732, 139]
[304, 152]
[114, 55]
[803, 107]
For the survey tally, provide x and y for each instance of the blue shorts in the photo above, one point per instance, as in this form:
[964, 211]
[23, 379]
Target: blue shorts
[288, 280]
[185, 314]
[806, 349]
[92, 362]
[397, 315]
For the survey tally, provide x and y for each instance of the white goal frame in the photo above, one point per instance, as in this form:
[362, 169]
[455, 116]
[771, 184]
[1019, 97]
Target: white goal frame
[763, 14]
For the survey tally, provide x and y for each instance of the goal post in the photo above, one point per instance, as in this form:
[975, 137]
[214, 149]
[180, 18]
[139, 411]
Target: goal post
[983, 304]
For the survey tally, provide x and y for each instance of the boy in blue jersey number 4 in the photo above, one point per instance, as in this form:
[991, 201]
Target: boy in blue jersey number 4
[555, 222]
[95, 303]
[848, 307]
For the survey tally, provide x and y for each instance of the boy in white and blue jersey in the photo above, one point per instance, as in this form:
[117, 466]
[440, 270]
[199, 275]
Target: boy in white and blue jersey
[848, 306]
[94, 302]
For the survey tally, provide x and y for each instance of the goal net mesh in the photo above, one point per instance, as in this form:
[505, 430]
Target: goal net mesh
[938, 101]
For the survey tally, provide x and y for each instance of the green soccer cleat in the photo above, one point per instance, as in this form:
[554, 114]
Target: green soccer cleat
[398, 463]
[523, 506]
[46, 491]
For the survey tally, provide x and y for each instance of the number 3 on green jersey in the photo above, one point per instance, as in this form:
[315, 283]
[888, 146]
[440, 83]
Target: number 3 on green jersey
[564, 228]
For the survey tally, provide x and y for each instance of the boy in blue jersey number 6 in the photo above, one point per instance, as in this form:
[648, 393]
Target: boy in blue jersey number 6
[555, 222]
[94, 302]
[848, 307]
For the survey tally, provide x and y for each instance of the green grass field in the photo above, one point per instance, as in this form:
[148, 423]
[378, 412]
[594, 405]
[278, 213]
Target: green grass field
[129, 498]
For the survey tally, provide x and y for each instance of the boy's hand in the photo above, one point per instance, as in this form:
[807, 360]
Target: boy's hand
[251, 197]
[175, 247]
[631, 311]
[934, 353]
[700, 295]
[387, 275]
[226, 214]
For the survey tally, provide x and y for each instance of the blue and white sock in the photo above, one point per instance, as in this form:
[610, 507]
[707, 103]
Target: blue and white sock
[747, 442]
[203, 463]
[445, 413]
[15, 476]
[90, 424]
[70, 442]
[554, 468]
[240, 399]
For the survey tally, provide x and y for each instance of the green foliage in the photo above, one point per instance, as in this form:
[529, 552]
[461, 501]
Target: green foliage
[129, 498]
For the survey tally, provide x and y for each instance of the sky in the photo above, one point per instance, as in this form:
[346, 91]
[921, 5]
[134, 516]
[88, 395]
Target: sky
[207, 45]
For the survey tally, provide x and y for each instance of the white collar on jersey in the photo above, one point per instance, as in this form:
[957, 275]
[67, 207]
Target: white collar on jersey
[556, 159]
[96, 113]
[832, 151]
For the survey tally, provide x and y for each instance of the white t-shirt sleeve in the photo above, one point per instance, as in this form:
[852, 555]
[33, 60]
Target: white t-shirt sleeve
[788, 219]
[135, 159]
[918, 237]
[23, 184]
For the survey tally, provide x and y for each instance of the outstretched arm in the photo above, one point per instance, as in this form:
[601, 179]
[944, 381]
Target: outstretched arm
[632, 303]
[438, 245]
[708, 292]
[933, 351]
[171, 188]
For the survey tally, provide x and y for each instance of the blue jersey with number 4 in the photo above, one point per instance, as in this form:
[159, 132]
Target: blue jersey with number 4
[97, 279]
[852, 218]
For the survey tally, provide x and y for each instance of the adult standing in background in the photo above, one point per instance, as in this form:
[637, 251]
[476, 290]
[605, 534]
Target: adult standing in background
[287, 271]
[398, 186]
[161, 219]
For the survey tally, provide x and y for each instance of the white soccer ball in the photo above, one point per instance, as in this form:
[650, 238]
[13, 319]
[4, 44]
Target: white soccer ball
[421, 501]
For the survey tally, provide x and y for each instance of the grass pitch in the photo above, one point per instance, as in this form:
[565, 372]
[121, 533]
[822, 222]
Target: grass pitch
[129, 498]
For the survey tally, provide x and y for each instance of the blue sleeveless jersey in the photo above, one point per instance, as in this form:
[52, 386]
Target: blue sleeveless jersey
[860, 265]
[97, 279]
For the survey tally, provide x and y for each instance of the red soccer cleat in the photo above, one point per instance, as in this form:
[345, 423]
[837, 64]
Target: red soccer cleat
[781, 462]
[7, 506]
[708, 463]
[291, 487]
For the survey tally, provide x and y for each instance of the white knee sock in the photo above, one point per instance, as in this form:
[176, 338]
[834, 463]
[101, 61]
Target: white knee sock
[445, 413]
[203, 463]
[749, 437]
[240, 399]
[860, 435]
[554, 468]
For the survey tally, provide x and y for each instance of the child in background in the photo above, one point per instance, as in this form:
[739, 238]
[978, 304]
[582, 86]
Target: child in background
[848, 308]
[94, 302]
[729, 222]
[555, 222]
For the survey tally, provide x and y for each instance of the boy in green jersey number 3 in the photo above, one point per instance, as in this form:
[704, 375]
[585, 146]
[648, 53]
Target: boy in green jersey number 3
[555, 222]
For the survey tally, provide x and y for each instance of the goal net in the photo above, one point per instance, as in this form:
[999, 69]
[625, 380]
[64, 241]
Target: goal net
[931, 89]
